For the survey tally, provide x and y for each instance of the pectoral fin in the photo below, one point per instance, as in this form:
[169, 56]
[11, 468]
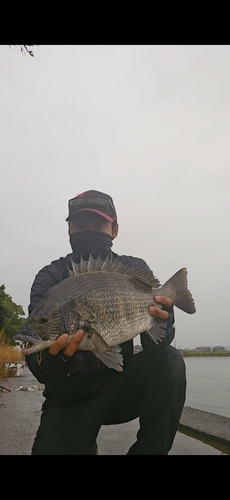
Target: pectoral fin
[158, 331]
[99, 342]
[111, 357]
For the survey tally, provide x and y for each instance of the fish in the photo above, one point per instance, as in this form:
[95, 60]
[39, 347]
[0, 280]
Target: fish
[109, 300]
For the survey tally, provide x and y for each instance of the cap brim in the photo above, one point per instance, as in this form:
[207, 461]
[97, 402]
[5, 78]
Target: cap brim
[105, 216]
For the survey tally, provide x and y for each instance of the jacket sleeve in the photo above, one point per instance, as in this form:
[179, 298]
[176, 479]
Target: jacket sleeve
[46, 278]
[48, 369]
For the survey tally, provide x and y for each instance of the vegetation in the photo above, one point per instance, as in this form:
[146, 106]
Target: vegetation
[11, 316]
[25, 50]
[203, 354]
[8, 354]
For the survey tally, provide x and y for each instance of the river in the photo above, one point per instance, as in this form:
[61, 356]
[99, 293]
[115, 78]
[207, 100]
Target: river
[208, 384]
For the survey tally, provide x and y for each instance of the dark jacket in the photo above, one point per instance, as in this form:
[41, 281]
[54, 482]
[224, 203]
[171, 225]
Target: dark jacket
[83, 375]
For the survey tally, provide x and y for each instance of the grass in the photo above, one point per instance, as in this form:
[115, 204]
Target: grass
[8, 354]
[190, 354]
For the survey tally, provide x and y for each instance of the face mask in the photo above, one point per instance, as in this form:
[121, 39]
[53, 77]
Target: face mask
[91, 242]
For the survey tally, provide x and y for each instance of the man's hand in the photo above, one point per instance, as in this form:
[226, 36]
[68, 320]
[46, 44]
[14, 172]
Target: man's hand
[161, 313]
[71, 348]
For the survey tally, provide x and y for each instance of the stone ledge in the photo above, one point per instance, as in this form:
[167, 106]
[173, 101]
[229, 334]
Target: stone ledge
[207, 427]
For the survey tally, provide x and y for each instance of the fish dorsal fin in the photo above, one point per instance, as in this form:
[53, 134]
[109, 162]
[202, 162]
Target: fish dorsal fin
[70, 271]
[92, 265]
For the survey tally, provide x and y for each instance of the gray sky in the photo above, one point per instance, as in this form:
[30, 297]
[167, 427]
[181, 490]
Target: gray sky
[150, 125]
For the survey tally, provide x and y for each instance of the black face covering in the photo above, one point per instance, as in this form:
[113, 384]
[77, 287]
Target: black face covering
[91, 242]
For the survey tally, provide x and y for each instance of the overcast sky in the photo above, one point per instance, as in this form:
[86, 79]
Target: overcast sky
[150, 125]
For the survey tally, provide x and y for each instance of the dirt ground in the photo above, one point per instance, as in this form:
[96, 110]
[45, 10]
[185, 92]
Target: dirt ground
[20, 412]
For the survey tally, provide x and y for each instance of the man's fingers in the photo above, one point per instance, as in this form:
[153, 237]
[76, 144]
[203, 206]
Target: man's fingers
[74, 343]
[58, 344]
[165, 301]
[159, 313]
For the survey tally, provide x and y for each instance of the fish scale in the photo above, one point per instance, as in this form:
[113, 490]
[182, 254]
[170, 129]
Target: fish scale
[109, 301]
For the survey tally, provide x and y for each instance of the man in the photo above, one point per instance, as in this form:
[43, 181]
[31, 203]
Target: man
[81, 393]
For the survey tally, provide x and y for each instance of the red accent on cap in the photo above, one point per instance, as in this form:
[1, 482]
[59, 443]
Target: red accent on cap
[81, 195]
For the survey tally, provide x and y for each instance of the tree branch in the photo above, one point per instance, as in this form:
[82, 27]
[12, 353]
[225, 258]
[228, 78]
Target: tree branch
[24, 49]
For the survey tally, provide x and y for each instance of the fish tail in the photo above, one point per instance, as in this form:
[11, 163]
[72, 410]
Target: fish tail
[183, 297]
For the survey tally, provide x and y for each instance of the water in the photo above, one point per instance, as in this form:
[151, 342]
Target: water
[208, 384]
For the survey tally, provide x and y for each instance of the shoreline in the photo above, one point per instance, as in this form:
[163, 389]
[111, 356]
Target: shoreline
[191, 354]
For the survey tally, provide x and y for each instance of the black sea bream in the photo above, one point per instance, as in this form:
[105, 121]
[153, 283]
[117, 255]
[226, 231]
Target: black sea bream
[109, 301]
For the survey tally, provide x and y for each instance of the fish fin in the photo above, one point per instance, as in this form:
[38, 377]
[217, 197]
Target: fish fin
[183, 299]
[75, 268]
[97, 263]
[115, 266]
[82, 266]
[90, 262]
[111, 358]
[144, 275]
[99, 342]
[158, 331]
[70, 271]
[86, 266]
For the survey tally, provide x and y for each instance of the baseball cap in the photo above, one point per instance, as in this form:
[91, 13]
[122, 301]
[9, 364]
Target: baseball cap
[93, 201]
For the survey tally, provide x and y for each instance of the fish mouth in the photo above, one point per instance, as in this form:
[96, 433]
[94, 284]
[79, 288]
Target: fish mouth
[33, 343]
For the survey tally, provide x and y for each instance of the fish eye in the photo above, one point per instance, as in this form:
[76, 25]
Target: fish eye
[44, 318]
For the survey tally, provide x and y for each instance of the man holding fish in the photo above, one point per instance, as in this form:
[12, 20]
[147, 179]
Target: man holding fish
[84, 312]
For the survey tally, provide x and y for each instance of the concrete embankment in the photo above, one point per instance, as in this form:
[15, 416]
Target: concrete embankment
[200, 433]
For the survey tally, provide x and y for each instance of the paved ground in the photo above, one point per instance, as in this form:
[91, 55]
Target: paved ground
[20, 414]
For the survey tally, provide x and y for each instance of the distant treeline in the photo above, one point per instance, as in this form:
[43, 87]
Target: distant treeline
[187, 354]
[194, 354]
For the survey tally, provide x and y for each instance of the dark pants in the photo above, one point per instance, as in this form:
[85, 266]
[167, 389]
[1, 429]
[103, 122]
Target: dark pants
[152, 387]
